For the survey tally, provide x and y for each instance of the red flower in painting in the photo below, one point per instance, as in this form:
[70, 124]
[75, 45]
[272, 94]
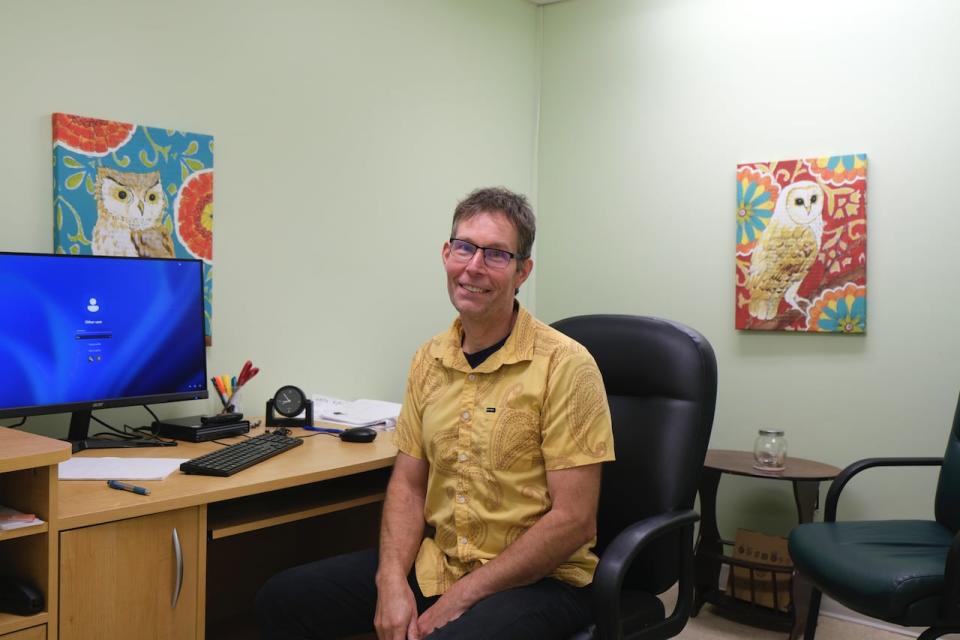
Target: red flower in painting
[90, 136]
[194, 214]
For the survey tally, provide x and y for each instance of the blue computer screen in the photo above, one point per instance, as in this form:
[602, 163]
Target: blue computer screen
[85, 330]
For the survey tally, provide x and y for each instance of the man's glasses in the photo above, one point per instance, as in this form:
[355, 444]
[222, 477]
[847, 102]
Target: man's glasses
[463, 251]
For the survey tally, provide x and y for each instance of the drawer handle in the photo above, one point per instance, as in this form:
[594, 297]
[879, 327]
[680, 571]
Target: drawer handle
[179, 556]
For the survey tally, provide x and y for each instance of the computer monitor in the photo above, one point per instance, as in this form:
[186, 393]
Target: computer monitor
[79, 333]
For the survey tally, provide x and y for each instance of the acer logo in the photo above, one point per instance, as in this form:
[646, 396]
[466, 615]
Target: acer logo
[97, 405]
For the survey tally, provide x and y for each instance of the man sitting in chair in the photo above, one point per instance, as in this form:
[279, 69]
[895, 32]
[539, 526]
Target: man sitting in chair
[491, 509]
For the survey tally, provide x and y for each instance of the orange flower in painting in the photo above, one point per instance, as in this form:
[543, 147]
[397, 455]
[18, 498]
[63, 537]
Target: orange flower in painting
[194, 214]
[839, 169]
[841, 310]
[90, 136]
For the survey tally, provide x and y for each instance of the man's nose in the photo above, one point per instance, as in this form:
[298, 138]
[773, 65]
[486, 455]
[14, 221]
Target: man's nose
[476, 261]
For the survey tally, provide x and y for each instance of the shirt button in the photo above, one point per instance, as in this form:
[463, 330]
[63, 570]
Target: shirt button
[465, 415]
[463, 541]
[472, 377]
[461, 499]
[462, 457]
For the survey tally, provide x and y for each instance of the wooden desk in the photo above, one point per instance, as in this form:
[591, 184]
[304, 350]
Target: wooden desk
[28, 483]
[805, 475]
[118, 569]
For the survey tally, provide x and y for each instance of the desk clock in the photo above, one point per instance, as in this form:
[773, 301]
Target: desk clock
[289, 401]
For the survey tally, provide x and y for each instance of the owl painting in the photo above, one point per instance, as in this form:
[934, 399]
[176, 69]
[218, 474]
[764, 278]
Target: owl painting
[786, 250]
[801, 245]
[130, 210]
[127, 189]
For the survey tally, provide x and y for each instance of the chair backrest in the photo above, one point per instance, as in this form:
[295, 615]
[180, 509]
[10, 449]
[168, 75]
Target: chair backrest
[947, 505]
[661, 382]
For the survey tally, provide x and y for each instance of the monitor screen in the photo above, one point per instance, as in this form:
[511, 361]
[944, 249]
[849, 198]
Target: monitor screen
[79, 333]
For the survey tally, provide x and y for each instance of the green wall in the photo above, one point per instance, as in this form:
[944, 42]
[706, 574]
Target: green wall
[345, 134]
[647, 107]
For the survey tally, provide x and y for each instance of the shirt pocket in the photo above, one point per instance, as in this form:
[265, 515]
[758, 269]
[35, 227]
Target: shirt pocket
[514, 440]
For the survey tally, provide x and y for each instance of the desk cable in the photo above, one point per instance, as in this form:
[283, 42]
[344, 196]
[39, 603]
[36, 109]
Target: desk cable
[19, 424]
[130, 433]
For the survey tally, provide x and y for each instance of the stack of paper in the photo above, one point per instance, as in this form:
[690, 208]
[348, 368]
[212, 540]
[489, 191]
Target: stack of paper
[13, 519]
[358, 413]
[325, 405]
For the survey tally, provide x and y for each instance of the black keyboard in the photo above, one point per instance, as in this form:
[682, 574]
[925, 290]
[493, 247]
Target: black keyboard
[239, 456]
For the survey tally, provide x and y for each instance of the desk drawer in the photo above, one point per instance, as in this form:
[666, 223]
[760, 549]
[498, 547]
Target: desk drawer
[132, 579]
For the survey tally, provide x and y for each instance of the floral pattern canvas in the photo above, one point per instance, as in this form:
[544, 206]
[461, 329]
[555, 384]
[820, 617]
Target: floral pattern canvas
[801, 255]
[131, 190]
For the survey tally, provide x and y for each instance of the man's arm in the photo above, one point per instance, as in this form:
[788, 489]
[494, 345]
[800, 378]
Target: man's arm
[401, 532]
[570, 523]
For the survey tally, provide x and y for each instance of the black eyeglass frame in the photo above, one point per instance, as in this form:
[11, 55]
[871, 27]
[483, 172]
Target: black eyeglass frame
[476, 247]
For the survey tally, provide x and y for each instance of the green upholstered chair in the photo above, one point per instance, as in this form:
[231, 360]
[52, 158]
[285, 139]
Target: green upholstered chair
[903, 571]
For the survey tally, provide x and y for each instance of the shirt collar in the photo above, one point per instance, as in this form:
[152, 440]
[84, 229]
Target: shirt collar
[519, 347]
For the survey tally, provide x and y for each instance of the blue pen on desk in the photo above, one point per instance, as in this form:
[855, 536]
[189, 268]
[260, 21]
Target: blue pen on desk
[310, 427]
[123, 486]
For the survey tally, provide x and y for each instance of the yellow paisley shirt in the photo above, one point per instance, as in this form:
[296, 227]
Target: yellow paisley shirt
[490, 434]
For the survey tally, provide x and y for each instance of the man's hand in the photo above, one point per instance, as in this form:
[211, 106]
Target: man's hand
[396, 611]
[449, 607]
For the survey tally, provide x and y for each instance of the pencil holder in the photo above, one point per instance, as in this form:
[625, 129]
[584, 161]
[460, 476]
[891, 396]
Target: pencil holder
[235, 403]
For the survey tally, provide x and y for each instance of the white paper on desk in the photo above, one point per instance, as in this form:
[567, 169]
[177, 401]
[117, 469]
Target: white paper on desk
[364, 413]
[118, 468]
[325, 404]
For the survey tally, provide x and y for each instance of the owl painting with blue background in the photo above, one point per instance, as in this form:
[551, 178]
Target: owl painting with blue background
[130, 190]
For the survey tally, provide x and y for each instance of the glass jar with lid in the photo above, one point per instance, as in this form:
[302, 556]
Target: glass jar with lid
[770, 450]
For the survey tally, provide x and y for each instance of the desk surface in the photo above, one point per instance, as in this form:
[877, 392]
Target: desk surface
[22, 450]
[321, 457]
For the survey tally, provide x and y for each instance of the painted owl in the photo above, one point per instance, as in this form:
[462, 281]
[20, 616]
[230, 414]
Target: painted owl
[786, 250]
[130, 208]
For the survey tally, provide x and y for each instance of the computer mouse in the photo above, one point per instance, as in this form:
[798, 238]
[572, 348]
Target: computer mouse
[359, 434]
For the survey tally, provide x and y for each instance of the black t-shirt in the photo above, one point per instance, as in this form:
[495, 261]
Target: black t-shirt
[476, 359]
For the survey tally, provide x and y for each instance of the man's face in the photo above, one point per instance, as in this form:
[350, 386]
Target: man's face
[476, 290]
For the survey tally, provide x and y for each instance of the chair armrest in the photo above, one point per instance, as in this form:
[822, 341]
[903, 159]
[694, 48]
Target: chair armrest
[833, 495]
[616, 561]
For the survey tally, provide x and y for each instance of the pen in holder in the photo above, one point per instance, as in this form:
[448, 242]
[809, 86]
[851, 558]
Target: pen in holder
[228, 388]
[232, 404]
[223, 392]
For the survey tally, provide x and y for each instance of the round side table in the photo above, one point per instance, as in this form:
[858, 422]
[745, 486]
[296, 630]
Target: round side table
[806, 476]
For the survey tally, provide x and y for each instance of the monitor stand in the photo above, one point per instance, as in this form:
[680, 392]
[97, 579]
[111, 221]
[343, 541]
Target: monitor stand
[79, 439]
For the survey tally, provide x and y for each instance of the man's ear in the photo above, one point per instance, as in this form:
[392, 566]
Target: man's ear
[526, 266]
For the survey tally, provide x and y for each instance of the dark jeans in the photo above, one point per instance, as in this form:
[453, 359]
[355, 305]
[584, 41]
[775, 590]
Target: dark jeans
[337, 597]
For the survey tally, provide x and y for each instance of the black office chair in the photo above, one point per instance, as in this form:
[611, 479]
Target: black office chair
[661, 382]
[903, 571]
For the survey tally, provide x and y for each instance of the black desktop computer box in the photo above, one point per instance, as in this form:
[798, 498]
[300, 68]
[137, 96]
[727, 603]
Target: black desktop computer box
[193, 430]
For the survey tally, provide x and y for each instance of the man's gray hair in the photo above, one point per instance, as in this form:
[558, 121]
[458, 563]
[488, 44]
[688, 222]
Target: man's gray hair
[500, 200]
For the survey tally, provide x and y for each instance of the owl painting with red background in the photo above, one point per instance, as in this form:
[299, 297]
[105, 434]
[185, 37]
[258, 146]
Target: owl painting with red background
[801, 256]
